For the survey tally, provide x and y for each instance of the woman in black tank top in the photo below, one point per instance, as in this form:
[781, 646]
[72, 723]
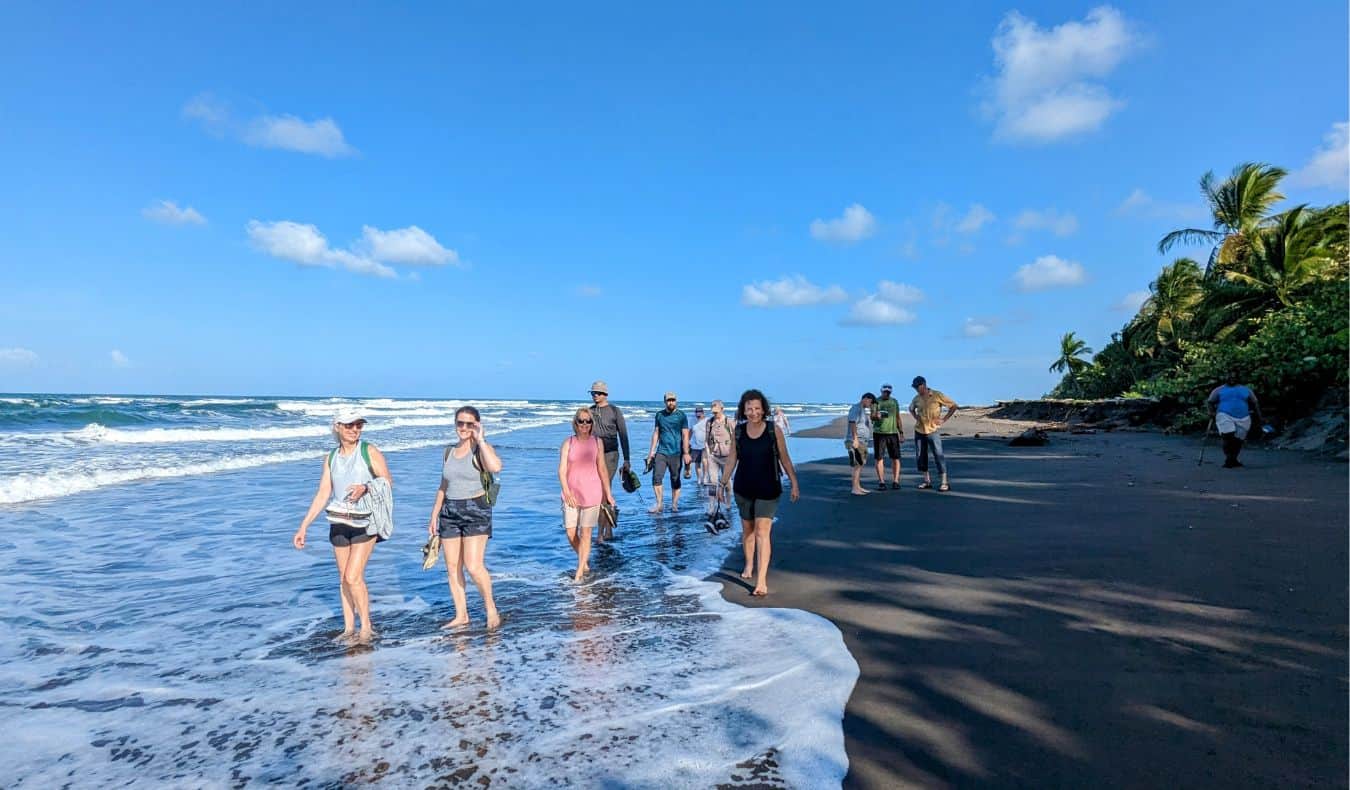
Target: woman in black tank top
[756, 456]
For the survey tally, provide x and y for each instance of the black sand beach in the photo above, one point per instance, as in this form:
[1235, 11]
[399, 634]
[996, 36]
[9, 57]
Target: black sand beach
[1098, 612]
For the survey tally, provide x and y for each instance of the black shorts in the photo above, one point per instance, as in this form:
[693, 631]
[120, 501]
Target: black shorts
[344, 535]
[663, 462]
[695, 457]
[890, 442]
[464, 518]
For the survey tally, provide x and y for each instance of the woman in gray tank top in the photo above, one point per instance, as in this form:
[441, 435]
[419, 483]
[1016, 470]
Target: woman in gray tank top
[342, 487]
[463, 518]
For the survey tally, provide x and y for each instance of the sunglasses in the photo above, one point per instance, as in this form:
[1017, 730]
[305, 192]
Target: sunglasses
[670, 400]
[597, 392]
[465, 423]
[358, 425]
[584, 422]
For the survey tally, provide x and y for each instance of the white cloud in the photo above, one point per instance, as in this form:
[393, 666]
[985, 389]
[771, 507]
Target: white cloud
[1049, 219]
[872, 310]
[1047, 81]
[18, 357]
[168, 213]
[977, 217]
[1049, 271]
[899, 293]
[410, 245]
[287, 132]
[793, 291]
[1330, 165]
[1131, 302]
[856, 224]
[1140, 204]
[119, 359]
[305, 245]
[977, 327]
[321, 137]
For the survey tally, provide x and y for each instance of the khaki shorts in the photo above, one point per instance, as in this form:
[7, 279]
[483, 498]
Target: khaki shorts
[584, 517]
[857, 456]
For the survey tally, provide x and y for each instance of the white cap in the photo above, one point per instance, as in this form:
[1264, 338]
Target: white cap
[348, 414]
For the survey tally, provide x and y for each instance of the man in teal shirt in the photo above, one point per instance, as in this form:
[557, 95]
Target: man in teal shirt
[886, 432]
[670, 447]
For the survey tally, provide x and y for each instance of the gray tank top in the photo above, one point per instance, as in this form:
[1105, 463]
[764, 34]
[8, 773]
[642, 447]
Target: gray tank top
[460, 476]
[347, 471]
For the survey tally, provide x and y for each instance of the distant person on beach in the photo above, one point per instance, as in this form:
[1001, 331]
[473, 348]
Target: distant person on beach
[718, 434]
[697, 441]
[462, 516]
[757, 454]
[349, 474]
[1231, 406]
[857, 437]
[887, 430]
[585, 486]
[670, 447]
[780, 421]
[926, 408]
[609, 428]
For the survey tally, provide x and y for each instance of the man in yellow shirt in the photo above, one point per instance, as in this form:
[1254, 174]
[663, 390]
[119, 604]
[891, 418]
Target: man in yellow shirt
[926, 409]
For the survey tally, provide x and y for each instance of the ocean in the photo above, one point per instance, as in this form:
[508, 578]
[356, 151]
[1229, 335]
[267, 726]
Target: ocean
[161, 630]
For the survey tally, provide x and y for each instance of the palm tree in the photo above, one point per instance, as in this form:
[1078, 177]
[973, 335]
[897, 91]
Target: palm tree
[1171, 306]
[1071, 349]
[1239, 205]
[1298, 248]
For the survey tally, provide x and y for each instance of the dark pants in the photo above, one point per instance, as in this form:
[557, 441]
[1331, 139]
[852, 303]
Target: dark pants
[1231, 447]
[925, 443]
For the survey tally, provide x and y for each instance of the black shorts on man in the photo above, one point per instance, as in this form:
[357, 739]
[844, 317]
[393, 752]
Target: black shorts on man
[889, 442]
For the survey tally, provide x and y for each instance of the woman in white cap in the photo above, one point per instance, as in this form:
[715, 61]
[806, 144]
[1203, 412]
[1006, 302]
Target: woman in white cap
[348, 475]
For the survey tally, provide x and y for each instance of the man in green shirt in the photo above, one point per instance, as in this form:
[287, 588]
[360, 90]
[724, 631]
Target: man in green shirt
[886, 432]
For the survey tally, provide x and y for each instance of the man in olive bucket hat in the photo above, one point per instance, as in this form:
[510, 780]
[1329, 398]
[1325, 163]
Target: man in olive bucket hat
[609, 428]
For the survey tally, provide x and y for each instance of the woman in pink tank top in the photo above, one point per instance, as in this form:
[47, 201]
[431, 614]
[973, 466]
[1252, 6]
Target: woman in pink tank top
[585, 486]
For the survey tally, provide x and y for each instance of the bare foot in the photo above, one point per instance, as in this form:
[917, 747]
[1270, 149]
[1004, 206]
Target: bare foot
[760, 592]
[581, 573]
[655, 508]
[860, 492]
[365, 637]
[747, 573]
[344, 636]
[458, 622]
[493, 620]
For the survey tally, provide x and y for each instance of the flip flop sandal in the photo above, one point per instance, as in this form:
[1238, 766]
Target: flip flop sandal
[944, 487]
[924, 486]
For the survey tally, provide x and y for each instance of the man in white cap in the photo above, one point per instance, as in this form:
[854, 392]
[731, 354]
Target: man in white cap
[670, 448]
[609, 428]
[887, 430]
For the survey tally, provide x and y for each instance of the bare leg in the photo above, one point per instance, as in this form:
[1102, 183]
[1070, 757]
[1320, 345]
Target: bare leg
[454, 569]
[340, 553]
[675, 499]
[895, 466]
[857, 481]
[748, 544]
[658, 491]
[583, 554]
[881, 471]
[355, 577]
[474, 548]
[572, 537]
[764, 549]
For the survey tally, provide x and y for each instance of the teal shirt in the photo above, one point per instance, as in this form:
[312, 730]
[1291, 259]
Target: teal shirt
[670, 424]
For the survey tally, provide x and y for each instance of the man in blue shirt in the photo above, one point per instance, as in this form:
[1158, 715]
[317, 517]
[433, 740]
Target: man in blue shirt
[670, 446]
[1231, 406]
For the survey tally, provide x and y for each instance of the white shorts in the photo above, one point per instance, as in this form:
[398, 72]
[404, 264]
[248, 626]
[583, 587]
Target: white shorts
[584, 517]
[1227, 423]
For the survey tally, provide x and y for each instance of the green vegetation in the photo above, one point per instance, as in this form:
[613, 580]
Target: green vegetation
[1270, 304]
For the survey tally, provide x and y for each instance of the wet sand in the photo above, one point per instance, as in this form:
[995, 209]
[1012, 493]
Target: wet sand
[1099, 611]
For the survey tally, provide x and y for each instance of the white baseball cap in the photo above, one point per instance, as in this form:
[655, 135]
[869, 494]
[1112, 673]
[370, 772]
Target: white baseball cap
[349, 414]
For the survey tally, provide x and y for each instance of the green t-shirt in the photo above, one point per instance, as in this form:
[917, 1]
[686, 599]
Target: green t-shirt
[888, 416]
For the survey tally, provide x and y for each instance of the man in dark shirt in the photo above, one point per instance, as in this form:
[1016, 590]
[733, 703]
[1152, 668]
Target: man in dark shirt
[609, 428]
[670, 447]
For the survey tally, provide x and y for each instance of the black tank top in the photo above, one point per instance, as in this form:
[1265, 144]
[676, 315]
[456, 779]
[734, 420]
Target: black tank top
[757, 465]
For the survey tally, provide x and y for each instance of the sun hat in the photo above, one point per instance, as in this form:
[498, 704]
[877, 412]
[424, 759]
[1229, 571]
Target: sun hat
[917, 381]
[599, 386]
[348, 414]
[885, 387]
[671, 395]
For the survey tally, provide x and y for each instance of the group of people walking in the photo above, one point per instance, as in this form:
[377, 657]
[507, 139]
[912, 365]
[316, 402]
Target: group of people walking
[745, 459]
[877, 422]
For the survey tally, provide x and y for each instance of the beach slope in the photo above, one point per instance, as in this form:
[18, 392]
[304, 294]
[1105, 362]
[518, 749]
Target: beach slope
[1099, 611]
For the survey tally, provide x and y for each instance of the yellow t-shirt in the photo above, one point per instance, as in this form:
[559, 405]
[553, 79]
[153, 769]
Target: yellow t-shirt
[929, 409]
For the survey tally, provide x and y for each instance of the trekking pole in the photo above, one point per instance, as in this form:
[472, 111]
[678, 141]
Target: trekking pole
[1204, 442]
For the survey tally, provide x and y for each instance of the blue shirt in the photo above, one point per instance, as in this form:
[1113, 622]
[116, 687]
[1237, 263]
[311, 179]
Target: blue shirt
[1232, 400]
[670, 424]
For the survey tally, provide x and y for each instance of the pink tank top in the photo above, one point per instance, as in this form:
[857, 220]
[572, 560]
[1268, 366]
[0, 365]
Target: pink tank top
[582, 477]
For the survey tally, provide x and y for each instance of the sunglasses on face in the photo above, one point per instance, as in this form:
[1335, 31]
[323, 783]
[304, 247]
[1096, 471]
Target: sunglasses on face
[597, 392]
[358, 425]
[670, 400]
[584, 422]
[465, 424]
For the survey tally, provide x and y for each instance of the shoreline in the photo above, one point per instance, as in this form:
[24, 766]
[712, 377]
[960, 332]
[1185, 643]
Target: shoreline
[1100, 610]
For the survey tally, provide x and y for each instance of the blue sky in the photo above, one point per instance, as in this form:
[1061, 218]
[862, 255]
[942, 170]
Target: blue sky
[474, 202]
